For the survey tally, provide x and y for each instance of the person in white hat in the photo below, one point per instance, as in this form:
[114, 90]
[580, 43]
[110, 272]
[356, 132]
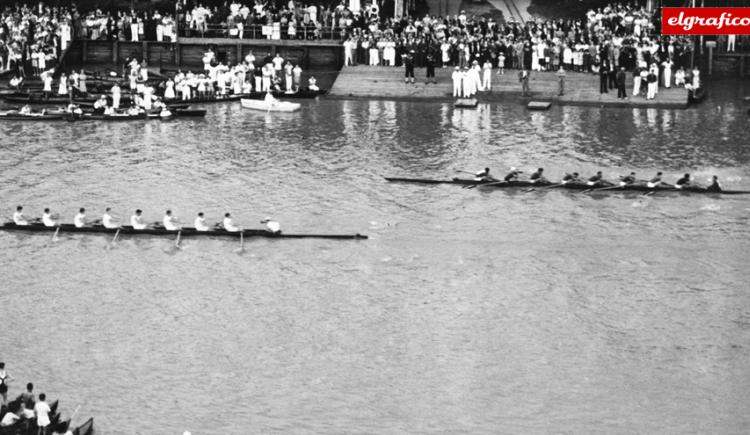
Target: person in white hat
[271, 226]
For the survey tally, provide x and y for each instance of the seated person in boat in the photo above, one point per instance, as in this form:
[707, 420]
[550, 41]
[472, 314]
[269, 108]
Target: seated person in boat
[10, 418]
[109, 221]
[110, 110]
[683, 182]
[484, 175]
[715, 186]
[270, 99]
[73, 108]
[47, 219]
[627, 179]
[200, 223]
[597, 180]
[80, 219]
[512, 175]
[229, 225]
[312, 84]
[25, 110]
[271, 225]
[655, 182]
[571, 178]
[170, 222]
[538, 176]
[18, 217]
[136, 221]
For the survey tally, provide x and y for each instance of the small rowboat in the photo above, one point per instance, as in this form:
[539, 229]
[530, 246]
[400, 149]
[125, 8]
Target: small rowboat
[16, 116]
[569, 186]
[466, 103]
[270, 106]
[185, 232]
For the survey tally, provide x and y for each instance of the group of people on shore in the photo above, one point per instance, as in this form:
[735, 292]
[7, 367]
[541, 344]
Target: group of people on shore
[596, 181]
[27, 407]
[109, 221]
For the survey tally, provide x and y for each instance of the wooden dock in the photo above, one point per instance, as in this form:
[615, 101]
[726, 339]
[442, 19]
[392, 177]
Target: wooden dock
[581, 89]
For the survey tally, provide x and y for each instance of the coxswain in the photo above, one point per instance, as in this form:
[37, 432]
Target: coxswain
[715, 186]
[484, 175]
[512, 175]
[80, 220]
[18, 217]
[628, 179]
[538, 176]
[683, 182]
[229, 225]
[200, 223]
[109, 221]
[47, 219]
[571, 178]
[136, 221]
[170, 222]
[272, 226]
[654, 182]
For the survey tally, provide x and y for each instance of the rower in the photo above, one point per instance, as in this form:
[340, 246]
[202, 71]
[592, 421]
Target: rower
[136, 221]
[571, 178]
[484, 175]
[512, 175]
[18, 217]
[683, 182]
[229, 225]
[170, 222]
[654, 182]
[200, 223]
[272, 226]
[596, 179]
[538, 176]
[628, 179]
[80, 220]
[100, 104]
[47, 219]
[715, 186]
[108, 221]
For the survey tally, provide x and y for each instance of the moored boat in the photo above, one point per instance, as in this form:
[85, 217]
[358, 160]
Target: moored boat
[569, 186]
[185, 232]
[17, 116]
[270, 106]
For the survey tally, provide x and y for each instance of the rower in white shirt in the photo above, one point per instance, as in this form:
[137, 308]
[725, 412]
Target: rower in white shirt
[18, 217]
[109, 221]
[47, 219]
[170, 222]
[229, 224]
[136, 221]
[200, 223]
[80, 220]
[271, 226]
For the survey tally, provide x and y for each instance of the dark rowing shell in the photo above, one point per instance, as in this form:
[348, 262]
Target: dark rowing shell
[185, 232]
[569, 186]
[87, 428]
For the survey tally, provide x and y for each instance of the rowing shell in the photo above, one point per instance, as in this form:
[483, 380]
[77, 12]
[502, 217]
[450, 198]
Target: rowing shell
[570, 186]
[185, 232]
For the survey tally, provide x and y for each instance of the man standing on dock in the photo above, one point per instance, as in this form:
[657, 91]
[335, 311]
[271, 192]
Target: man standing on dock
[409, 64]
[560, 81]
[430, 64]
[456, 77]
[621, 83]
[523, 77]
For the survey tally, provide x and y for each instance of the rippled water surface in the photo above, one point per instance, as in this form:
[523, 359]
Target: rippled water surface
[467, 311]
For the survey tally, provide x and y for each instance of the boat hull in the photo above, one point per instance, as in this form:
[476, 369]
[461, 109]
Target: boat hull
[185, 232]
[275, 106]
[570, 186]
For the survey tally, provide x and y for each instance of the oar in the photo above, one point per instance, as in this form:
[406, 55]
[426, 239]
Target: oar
[74, 414]
[177, 242]
[602, 188]
[54, 236]
[242, 243]
[494, 183]
[466, 172]
[544, 187]
[117, 233]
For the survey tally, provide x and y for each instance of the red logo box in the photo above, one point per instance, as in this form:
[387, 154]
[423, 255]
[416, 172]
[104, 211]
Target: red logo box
[705, 21]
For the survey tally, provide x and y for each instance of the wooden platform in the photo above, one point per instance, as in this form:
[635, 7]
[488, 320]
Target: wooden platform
[581, 89]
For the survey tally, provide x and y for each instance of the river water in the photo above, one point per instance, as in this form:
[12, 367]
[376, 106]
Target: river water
[467, 311]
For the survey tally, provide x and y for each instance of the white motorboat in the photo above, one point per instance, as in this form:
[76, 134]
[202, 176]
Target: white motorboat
[268, 105]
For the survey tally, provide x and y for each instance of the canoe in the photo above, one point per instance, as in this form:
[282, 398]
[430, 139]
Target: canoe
[185, 232]
[301, 94]
[273, 106]
[87, 428]
[466, 103]
[193, 113]
[569, 186]
[34, 117]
